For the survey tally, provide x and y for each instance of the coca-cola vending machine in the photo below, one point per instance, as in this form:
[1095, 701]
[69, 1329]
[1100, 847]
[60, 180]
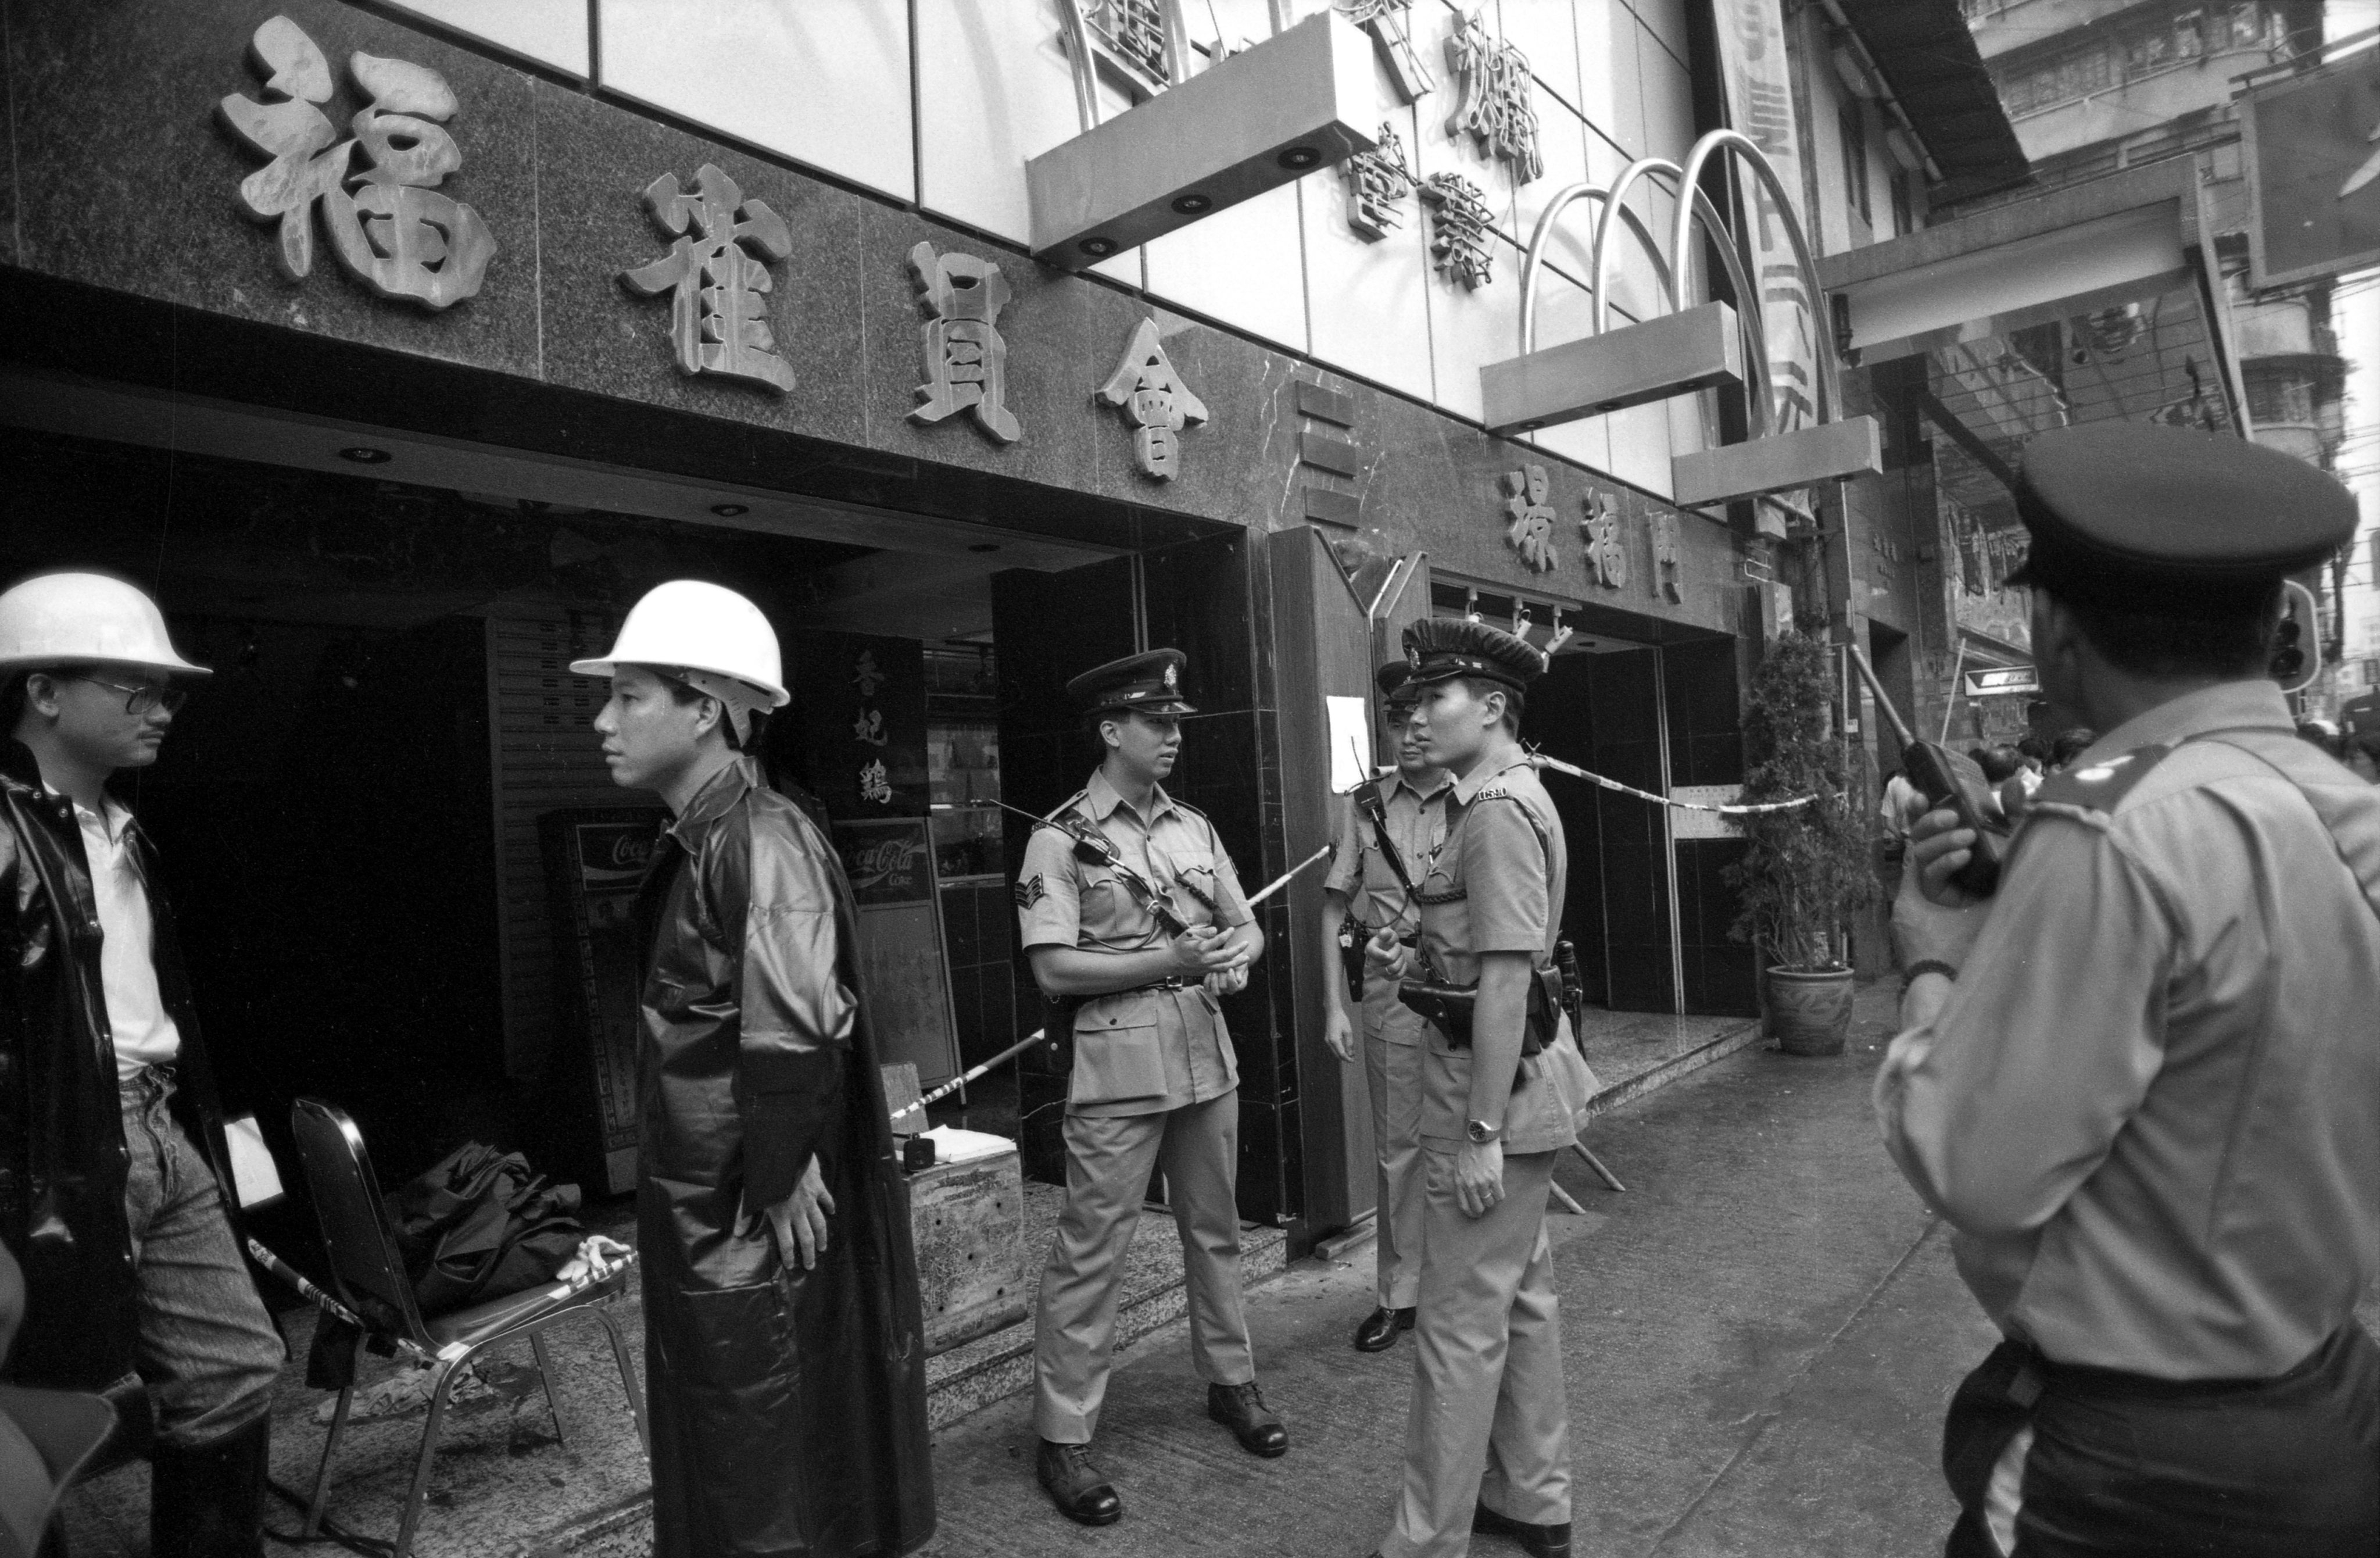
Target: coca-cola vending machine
[594, 860]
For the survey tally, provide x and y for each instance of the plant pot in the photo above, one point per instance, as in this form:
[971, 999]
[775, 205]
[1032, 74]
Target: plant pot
[1809, 1013]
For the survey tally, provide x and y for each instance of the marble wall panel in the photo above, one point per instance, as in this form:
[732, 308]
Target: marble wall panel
[601, 337]
[825, 82]
[126, 180]
[1366, 299]
[1665, 20]
[1469, 327]
[1241, 464]
[1549, 35]
[552, 33]
[1591, 34]
[1623, 44]
[1668, 97]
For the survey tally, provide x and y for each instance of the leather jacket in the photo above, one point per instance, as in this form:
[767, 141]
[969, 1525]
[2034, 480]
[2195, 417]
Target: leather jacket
[789, 1406]
[62, 1157]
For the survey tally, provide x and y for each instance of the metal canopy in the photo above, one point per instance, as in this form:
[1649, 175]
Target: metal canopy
[1930, 61]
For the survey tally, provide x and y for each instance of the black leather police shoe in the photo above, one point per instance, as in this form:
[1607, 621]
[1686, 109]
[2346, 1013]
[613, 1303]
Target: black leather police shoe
[1080, 1490]
[1241, 1408]
[1537, 1541]
[1378, 1331]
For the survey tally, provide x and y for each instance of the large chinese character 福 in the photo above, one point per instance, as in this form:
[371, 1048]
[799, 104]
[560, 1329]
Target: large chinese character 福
[1155, 401]
[1376, 180]
[1532, 530]
[1458, 242]
[1607, 558]
[717, 276]
[1391, 33]
[966, 362]
[1494, 109]
[386, 220]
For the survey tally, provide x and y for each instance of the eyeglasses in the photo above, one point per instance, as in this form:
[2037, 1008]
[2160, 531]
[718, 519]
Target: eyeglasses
[139, 700]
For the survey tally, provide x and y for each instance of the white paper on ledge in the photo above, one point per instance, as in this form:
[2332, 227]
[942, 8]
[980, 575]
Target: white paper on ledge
[1350, 740]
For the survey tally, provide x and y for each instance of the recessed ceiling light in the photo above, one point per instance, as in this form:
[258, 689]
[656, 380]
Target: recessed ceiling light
[985, 547]
[729, 510]
[1299, 157]
[1098, 248]
[1194, 205]
[365, 455]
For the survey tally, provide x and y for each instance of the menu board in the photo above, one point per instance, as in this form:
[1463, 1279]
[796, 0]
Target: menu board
[904, 978]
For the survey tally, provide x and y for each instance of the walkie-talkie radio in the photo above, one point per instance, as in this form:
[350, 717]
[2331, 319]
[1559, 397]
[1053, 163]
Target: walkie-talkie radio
[1950, 779]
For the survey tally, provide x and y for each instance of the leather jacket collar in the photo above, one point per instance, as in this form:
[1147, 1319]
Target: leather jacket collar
[715, 799]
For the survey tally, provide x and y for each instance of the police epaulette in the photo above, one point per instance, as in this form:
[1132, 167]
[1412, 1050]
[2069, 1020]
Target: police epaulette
[1065, 806]
[2098, 786]
[1184, 805]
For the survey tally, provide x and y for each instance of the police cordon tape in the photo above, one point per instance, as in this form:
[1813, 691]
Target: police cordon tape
[1538, 760]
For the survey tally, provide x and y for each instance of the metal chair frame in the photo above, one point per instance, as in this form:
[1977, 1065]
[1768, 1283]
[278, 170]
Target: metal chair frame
[369, 1276]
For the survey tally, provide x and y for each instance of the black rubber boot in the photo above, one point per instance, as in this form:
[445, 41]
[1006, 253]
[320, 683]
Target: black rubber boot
[207, 1501]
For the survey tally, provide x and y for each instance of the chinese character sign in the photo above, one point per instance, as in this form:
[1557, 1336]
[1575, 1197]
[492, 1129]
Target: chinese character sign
[717, 276]
[875, 784]
[378, 190]
[1531, 532]
[1376, 181]
[1153, 398]
[1607, 559]
[1458, 242]
[1391, 26]
[1494, 109]
[865, 675]
[965, 360]
[1667, 582]
[870, 727]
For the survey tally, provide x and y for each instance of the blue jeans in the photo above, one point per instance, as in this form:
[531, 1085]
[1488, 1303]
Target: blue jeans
[207, 1349]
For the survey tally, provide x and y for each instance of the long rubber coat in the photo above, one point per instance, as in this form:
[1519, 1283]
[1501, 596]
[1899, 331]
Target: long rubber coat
[788, 1407]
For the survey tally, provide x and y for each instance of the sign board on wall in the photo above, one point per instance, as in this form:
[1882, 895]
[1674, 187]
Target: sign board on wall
[904, 978]
[2313, 151]
[1995, 680]
[594, 860]
[1685, 824]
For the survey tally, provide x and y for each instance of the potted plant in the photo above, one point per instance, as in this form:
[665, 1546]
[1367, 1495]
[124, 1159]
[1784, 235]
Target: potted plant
[1807, 872]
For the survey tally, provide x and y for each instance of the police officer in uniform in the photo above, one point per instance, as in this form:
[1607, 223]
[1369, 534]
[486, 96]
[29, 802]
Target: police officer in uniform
[1488, 1436]
[1402, 812]
[1145, 938]
[2141, 1080]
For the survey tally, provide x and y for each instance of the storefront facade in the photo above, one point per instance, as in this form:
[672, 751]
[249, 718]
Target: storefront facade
[390, 498]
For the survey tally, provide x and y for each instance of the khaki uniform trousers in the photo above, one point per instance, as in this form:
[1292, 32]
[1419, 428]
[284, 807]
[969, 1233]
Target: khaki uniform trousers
[1489, 1422]
[1394, 1073]
[1107, 1160]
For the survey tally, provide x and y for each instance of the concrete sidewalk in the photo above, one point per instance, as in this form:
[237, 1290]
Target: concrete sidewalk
[1759, 1336]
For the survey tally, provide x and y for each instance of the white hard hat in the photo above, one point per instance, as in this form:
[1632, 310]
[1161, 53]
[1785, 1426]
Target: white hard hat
[82, 619]
[691, 625]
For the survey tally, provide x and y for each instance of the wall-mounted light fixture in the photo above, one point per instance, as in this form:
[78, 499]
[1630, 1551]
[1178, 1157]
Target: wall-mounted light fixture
[362, 454]
[1251, 122]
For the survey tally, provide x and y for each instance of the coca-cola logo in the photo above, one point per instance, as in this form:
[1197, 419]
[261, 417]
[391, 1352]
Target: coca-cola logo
[886, 860]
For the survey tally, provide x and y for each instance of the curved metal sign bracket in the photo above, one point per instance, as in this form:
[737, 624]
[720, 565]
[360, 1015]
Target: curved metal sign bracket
[1748, 151]
[1543, 234]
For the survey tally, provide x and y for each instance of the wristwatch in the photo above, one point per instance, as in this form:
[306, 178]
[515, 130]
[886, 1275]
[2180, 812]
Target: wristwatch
[1481, 1132]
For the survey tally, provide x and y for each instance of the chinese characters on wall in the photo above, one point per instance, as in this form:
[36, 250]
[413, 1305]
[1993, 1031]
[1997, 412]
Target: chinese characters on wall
[1606, 555]
[717, 276]
[867, 730]
[1376, 181]
[1155, 401]
[378, 190]
[965, 360]
[1391, 24]
[1459, 237]
[1531, 532]
[1494, 107]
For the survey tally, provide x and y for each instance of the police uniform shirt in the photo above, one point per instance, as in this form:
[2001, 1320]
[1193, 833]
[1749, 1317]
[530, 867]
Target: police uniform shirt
[1497, 886]
[1360, 873]
[1147, 1051]
[2149, 1102]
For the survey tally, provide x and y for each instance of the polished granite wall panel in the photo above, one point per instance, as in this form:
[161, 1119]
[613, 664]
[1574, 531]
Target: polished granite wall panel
[125, 179]
[1240, 463]
[595, 162]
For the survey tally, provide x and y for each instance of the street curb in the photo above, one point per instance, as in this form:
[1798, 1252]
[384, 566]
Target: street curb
[1670, 1070]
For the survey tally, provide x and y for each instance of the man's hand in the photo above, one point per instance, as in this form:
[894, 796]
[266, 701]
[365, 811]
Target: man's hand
[1203, 949]
[799, 1221]
[1933, 919]
[1228, 981]
[1384, 955]
[1478, 1178]
[1338, 1033]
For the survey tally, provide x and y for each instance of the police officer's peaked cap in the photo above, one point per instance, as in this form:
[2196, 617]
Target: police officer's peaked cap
[1396, 683]
[1440, 649]
[1149, 684]
[2171, 521]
